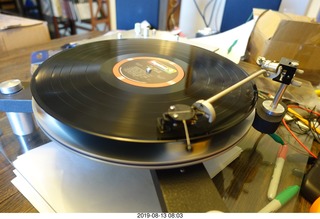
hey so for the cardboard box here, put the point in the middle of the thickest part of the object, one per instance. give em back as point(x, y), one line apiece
point(278, 35)
point(18, 32)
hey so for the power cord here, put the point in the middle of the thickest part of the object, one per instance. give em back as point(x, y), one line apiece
point(203, 14)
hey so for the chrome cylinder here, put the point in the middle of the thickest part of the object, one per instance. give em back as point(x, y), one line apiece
point(21, 123)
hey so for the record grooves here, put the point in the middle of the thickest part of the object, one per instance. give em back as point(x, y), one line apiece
point(83, 89)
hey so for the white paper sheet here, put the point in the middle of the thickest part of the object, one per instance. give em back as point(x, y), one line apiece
point(231, 44)
point(69, 182)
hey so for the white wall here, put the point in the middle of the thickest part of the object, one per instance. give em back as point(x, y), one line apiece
point(308, 8)
point(190, 20)
point(294, 6)
point(314, 8)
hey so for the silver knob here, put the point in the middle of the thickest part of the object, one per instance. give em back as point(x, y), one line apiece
point(11, 86)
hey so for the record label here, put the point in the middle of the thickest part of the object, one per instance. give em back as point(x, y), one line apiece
point(148, 72)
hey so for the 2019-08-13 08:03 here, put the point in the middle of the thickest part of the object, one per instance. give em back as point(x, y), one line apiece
point(159, 215)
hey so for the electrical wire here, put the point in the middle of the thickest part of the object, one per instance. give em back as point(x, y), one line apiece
point(305, 121)
point(203, 14)
point(304, 108)
point(297, 139)
point(298, 148)
point(316, 125)
point(212, 11)
point(216, 17)
point(309, 122)
point(312, 122)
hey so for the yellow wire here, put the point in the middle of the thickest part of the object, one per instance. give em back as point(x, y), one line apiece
point(305, 121)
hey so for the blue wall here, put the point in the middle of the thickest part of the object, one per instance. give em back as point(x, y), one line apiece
point(237, 12)
point(130, 12)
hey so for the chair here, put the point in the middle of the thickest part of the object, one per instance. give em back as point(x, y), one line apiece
point(100, 15)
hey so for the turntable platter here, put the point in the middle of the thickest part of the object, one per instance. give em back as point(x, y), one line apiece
point(115, 90)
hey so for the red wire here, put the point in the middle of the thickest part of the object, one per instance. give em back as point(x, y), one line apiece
point(297, 139)
point(306, 109)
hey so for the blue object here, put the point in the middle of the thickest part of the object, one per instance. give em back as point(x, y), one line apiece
point(237, 12)
point(19, 102)
point(39, 56)
point(131, 12)
point(29, 4)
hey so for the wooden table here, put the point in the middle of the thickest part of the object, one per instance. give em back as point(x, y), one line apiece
point(16, 64)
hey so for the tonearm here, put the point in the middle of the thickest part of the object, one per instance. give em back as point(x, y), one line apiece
point(269, 113)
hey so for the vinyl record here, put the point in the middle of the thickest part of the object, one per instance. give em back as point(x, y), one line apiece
point(105, 100)
point(105, 89)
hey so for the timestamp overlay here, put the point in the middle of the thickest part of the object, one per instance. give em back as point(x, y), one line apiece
point(204, 215)
point(160, 215)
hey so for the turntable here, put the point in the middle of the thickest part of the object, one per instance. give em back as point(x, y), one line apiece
point(144, 105)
